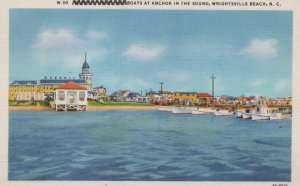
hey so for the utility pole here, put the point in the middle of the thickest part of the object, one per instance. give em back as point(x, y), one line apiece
point(161, 89)
point(213, 86)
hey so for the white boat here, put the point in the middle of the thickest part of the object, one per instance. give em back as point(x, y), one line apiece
point(260, 117)
point(279, 116)
point(263, 113)
point(180, 110)
point(247, 116)
point(239, 114)
point(208, 110)
point(165, 109)
point(223, 113)
point(198, 112)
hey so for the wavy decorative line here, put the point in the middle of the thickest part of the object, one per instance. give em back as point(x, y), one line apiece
point(99, 2)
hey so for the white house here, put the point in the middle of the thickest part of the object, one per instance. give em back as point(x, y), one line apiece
point(71, 96)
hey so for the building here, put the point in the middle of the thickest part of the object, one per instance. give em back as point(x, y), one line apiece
point(98, 93)
point(143, 99)
point(166, 93)
point(204, 99)
point(30, 90)
point(153, 96)
point(115, 96)
point(133, 96)
point(24, 91)
point(166, 97)
point(70, 96)
point(86, 75)
point(121, 95)
point(47, 85)
point(185, 98)
point(124, 95)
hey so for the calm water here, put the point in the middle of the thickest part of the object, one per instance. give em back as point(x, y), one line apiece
point(146, 145)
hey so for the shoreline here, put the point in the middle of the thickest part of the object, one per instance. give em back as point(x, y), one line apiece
point(89, 108)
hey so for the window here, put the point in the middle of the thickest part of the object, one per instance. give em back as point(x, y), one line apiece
point(81, 96)
point(61, 95)
point(71, 96)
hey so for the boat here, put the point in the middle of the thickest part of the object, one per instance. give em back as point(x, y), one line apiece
point(260, 117)
point(208, 110)
point(181, 110)
point(247, 116)
point(165, 109)
point(263, 113)
point(239, 114)
point(280, 116)
point(198, 112)
point(223, 113)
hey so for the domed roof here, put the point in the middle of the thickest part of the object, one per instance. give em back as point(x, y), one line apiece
point(85, 65)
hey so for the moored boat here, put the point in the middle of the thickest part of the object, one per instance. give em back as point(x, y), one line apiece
point(208, 110)
point(181, 110)
point(260, 117)
point(223, 113)
point(280, 116)
point(198, 112)
point(247, 116)
point(239, 114)
point(263, 112)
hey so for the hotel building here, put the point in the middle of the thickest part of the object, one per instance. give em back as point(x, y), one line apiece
point(30, 90)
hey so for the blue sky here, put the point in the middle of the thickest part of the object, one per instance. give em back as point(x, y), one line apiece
point(250, 52)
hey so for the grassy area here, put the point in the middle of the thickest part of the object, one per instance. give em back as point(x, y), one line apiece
point(111, 103)
point(27, 103)
point(23, 103)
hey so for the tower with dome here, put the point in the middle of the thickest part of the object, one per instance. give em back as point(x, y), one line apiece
point(86, 74)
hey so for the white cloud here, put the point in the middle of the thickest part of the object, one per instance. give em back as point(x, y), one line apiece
point(261, 48)
point(179, 76)
point(48, 39)
point(142, 52)
point(64, 47)
point(257, 82)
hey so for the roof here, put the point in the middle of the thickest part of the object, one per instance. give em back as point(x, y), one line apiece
point(122, 92)
point(99, 87)
point(133, 94)
point(151, 92)
point(231, 98)
point(71, 85)
point(115, 94)
point(186, 92)
point(24, 83)
point(165, 92)
point(204, 95)
point(85, 65)
point(62, 81)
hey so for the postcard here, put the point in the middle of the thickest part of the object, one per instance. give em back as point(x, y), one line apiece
point(152, 92)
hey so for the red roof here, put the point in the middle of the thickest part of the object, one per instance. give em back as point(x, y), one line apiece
point(124, 92)
point(71, 85)
point(203, 95)
point(165, 92)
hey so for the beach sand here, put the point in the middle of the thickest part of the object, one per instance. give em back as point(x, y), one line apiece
point(90, 108)
point(28, 108)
